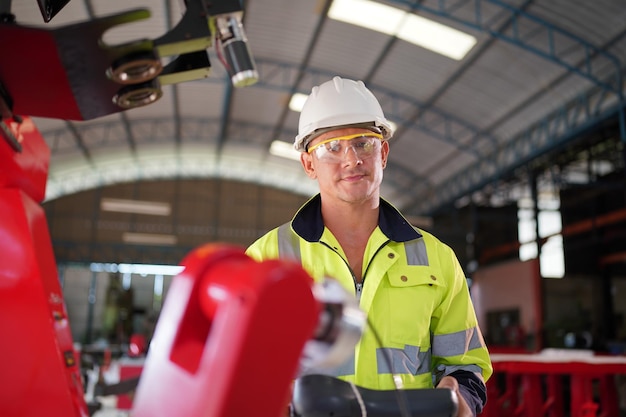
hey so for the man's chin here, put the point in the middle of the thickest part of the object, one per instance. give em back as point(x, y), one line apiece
point(357, 197)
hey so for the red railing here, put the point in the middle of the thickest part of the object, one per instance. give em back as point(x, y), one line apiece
point(554, 384)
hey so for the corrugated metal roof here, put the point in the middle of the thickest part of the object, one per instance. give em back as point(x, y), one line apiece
point(532, 58)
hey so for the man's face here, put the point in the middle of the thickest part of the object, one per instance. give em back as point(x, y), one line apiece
point(349, 169)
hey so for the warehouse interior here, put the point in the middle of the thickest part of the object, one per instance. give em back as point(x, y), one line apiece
point(511, 151)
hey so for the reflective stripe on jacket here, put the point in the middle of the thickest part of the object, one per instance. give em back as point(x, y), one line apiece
point(422, 323)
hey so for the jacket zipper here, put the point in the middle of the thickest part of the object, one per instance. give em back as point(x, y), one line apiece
point(358, 286)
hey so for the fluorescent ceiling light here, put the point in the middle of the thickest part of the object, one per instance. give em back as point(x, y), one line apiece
point(297, 101)
point(406, 26)
point(147, 269)
point(436, 37)
point(149, 238)
point(367, 14)
point(135, 206)
point(284, 150)
point(140, 269)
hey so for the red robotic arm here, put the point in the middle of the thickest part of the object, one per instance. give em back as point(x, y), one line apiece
point(40, 374)
point(229, 338)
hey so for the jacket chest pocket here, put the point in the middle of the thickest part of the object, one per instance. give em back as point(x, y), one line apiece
point(414, 292)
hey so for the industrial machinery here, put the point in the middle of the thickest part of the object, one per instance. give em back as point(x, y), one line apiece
point(86, 78)
point(40, 374)
point(234, 333)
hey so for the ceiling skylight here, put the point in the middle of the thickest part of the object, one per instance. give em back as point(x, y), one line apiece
point(149, 238)
point(297, 101)
point(154, 208)
point(284, 150)
point(406, 26)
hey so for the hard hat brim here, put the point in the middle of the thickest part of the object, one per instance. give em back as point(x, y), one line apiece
point(301, 143)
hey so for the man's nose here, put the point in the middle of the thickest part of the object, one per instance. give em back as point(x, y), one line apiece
point(351, 156)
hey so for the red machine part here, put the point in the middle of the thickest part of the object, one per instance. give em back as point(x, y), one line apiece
point(533, 386)
point(40, 374)
point(25, 169)
point(229, 337)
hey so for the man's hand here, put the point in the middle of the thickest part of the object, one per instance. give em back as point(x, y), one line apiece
point(451, 383)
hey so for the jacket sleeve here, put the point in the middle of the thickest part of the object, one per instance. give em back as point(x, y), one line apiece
point(265, 247)
point(457, 344)
point(472, 389)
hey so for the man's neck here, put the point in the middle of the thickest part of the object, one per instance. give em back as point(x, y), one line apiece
point(351, 220)
point(352, 225)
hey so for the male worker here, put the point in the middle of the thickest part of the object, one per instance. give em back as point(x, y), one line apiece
point(409, 283)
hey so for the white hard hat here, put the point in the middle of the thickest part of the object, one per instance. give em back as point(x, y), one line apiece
point(339, 103)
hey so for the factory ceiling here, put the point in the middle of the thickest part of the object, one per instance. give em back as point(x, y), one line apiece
point(538, 76)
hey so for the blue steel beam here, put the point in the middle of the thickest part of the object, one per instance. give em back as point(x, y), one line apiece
point(280, 75)
point(226, 114)
point(539, 37)
point(169, 22)
point(554, 130)
point(550, 37)
point(300, 73)
point(197, 129)
point(156, 130)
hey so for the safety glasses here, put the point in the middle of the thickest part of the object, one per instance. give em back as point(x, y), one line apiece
point(335, 149)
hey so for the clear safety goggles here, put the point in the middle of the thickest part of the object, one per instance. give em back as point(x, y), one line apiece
point(335, 149)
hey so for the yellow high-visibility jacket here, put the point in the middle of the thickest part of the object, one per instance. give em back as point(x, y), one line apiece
point(414, 292)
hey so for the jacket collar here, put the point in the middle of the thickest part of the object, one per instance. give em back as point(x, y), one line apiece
point(308, 223)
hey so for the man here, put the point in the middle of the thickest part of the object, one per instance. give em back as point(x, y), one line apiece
point(409, 283)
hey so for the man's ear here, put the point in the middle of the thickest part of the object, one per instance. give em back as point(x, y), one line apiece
point(307, 163)
point(384, 152)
